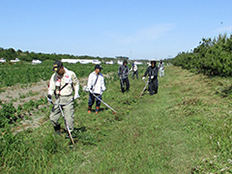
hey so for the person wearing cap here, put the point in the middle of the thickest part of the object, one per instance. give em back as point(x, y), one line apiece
point(134, 68)
point(96, 86)
point(123, 73)
point(62, 83)
point(152, 72)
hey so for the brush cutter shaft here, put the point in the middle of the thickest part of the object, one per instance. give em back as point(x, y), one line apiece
point(102, 101)
point(144, 87)
point(66, 125)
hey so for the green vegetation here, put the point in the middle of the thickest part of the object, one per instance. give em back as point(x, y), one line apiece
point(10, 115)
point(11, 54)
point(183, 129)
point(25, 73)
point(212, 57)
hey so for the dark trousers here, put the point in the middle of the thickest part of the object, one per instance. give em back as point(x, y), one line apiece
point(92, 100)
point(122, 82)
point(153, 86)
point(135, 73)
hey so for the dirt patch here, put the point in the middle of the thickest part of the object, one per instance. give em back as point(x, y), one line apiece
point(33, 123)
point(19, 95)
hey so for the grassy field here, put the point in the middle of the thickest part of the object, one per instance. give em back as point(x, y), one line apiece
point(185, 128)
point(25, 73)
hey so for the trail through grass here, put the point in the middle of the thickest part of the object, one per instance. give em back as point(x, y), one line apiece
point(172, 132)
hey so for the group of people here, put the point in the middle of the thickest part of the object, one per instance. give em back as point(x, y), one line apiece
point(152, 72)
point(64, 82)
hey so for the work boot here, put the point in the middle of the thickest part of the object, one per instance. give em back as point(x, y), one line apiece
point(89, 109)
point(97, 109)
point(57, 130)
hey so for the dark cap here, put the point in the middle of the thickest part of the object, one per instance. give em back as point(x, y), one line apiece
point(98, 67)
point(153, 62)
point(125, 61)
point(57, 65)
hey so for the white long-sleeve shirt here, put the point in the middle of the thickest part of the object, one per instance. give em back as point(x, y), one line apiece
point(134, 68)
point(99, 86)
point(161, 66)
point(57, 80)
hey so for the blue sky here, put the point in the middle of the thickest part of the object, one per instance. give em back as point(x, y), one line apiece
point(139, 29)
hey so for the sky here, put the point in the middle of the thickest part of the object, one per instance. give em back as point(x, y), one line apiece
point(138, 29)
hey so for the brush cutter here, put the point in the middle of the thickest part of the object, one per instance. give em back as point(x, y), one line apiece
point(146, 83)
point(85, 89)
point(102, 101)
point(65, 122)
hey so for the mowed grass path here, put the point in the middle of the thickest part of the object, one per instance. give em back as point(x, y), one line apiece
point(171, 132)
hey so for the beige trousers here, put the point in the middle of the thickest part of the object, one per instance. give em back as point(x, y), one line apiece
point(68, 111)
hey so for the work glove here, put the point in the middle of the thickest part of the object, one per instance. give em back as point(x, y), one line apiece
point(85, 89)
point(152, 77)
point(103, 89)
point(76, 96)
point(143, 78)
point(91, 91)
point(49, 97)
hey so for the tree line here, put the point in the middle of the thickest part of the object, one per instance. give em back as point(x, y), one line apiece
point(212, 57)
point(11, 54)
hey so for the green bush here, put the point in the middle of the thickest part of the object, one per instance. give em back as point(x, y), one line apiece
point(7, 114)
point(211, 57)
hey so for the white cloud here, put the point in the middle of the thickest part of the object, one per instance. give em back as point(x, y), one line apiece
point(144, 34)
point(224, 29)
point(154, 32)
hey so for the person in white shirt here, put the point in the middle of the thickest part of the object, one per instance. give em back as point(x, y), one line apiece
point(161, 68)
point(62, 84)
point(134, 68)
point(95, 85)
